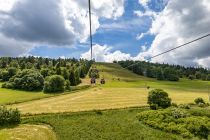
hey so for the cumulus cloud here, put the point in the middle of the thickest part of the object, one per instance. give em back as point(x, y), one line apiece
point(180, 22)
point(53, 22)
point(104, 54)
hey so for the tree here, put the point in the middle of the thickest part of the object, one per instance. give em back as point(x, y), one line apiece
point(158, 98)
point(67, 85)
point(44, 72)
point(65, 73)
point(54, 84)
point(72, 78)
point(12, 71)
point(160, 75)
point(170, 74)
point(29, 80)
point(208, 77)
point(77, 77)
point(199, 100)
point(198, 75)
point(191, 77)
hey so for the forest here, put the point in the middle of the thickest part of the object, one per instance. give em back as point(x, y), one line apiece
point(37, 73)
point(166, 71)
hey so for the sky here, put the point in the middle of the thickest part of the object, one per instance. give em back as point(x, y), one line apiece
point(122, 29)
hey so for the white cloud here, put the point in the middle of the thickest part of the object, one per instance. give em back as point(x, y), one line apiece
point(180, 22)
point(53, 22)
point(104, 54)
point(144, 2)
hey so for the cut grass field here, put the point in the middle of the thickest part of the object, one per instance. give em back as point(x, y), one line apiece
point(122, 89)
point(28, 132)
point(8, 96)
point(95, 125)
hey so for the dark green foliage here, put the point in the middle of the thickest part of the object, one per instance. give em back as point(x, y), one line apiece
point(12, 71)
point(191, 77)
point(177, 121)
point(54, 84)
point(77, 77)
point(158, 99)
point(72, 78)
point(5, 75)
point(67, 85)
point(65, 73)
point(208, 77)
point(46, 66)
point(165, 71)
point(45, 72)
point(9, 116)
point(198, 75)
point(184, 106)
point(94, 73)
point(29, 80)
point(170, 74)
point(199, 100)
point(160, 75)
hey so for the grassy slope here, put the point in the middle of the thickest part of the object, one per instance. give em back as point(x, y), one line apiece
point(8, 96)
point(111, 125)
point(11, 96)
point(27, 132)
point(129, 91)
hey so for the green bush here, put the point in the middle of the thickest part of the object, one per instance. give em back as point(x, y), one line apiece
point(199, 100)
point(184, 106)
point(9, 116)
point(158, 98)
point(54, 84)
point(178, 121)
point(67, 85)
point(29, 80)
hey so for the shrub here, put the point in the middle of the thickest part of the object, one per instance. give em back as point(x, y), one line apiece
point(191, 77)
point(29, 80)
point(202, 105)
point(177, 121)
point(184, 106)
point(9, 116)
point(53, 84)
point(158, 98)
point(67, 85)
point(174, 105)
point(199, 100)
point(5, 75)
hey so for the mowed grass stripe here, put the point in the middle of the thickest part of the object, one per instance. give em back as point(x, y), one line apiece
point(100, 98)
point(28, 132)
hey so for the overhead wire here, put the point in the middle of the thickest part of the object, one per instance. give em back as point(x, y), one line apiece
point(175, 48)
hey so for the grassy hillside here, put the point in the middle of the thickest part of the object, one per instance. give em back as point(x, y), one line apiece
point(122, 89)
point(28, 132)
point(111, 125)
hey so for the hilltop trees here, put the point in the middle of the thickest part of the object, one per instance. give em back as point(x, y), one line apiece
point(165, 71)
point(28, 73)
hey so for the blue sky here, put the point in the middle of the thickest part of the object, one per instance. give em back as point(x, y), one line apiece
point(123, 39)
point(123, 29)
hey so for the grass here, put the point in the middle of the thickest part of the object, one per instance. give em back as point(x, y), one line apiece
point(129, 91)
point(100, 98)
point(9, 96)
point(28, 132)
point(112, 125)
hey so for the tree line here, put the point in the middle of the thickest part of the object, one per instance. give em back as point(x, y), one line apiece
point(165, 71)
point(37, 73)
